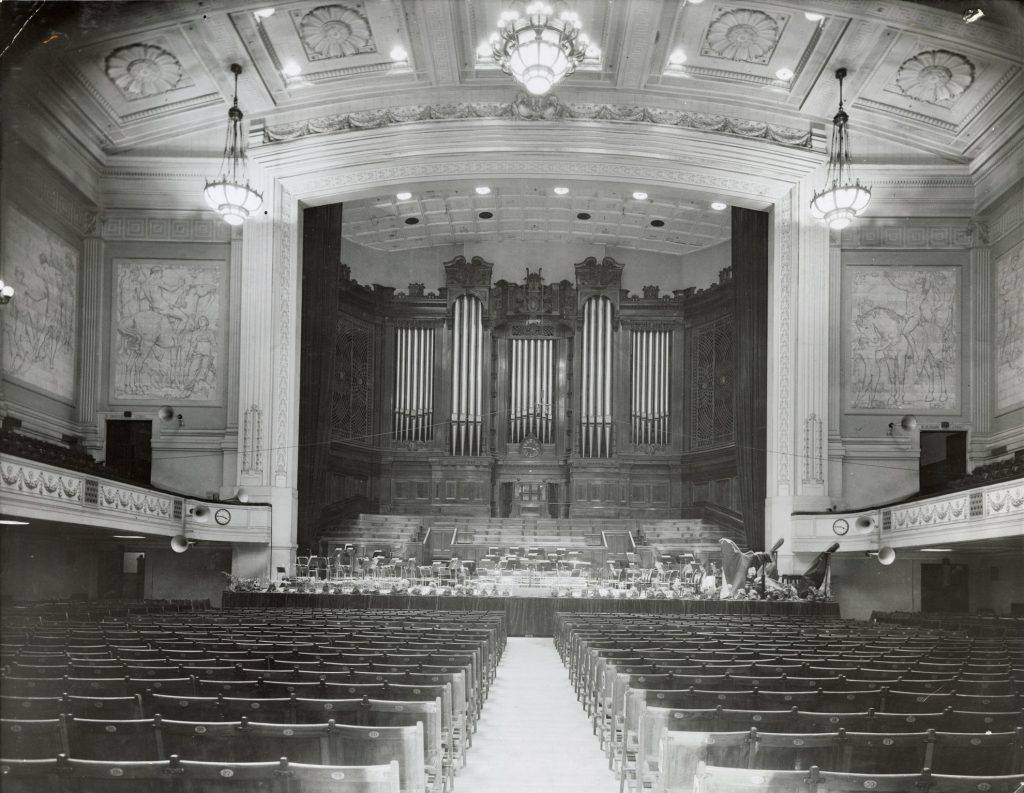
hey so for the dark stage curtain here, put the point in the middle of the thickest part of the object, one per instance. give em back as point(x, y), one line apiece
point(750, 276)
point(321, 262)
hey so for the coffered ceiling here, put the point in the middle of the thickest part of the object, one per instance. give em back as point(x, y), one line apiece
point(152, 78)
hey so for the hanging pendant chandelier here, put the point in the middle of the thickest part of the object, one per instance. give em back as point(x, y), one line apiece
point(844, 197)
point(537, 48)
point(230, 193)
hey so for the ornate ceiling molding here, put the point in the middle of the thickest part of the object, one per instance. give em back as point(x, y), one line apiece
point(544, 108)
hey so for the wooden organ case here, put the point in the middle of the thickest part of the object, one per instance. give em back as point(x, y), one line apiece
point(553, 400)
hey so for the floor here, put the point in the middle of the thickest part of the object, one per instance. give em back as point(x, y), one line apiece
point(533, 735)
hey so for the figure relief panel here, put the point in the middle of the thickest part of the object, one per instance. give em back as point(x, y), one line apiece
point(903, 338)
point(40, 324)
point(168, 343)
point(1009, 329)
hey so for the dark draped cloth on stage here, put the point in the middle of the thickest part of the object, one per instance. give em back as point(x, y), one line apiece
point(750, 276)
point(814, 576)
point(530, 616)
point(735, 563)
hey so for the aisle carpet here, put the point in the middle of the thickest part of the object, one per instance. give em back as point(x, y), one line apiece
point(533, 734)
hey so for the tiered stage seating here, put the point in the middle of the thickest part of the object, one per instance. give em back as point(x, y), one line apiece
point(368, 533)
point(539, 532)
point(273, 700)
point(693, 704)
point(693, 535)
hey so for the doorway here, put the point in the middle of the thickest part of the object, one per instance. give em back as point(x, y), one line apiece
point(130, 448)
point(944, 588)
point(943, 458)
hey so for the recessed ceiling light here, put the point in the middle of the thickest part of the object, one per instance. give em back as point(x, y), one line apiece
point(399, 54)
point(263, 13)
point(484, 50)
point(718, 206)
point(973, 15)
point(936, 550)
point(696, 2)
point(657, 223)
point(561, 190)
point(784, 74)
point(483, 190)
point(811, 16)
point(403, 196)
point(640, 195)
point(411, 221)
point(13, 522)
point(129, 537)
point(485, 215)
point(677, 58)
point(583, 216)
point(291, 69)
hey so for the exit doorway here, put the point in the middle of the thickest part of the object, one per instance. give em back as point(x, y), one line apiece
point(130, 448)
point(944, 588)
point(943, 458)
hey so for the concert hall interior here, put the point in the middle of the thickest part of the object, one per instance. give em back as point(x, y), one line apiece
point(324, 305)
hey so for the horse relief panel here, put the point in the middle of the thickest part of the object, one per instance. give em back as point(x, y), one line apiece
point(902, 338)
point(39, 324)
point(168, 337)
point(1009, 329)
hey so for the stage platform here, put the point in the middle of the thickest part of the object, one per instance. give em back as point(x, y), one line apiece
point(530, 616)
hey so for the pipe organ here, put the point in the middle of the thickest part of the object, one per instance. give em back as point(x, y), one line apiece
point(467, 363)
point(649, 414)
point(596, 413)
point(566, 399)
point(414, 386)
point(530, 410)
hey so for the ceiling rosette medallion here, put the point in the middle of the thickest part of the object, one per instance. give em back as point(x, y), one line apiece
point(141, 70)
point(334, 31)
point(743, 34)
point(938, 77)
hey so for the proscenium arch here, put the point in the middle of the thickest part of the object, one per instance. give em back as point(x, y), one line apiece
point(339, 167)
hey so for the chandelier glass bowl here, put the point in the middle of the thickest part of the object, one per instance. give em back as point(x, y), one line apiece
point(230, 193)
point(538, 49)
point(843, 197)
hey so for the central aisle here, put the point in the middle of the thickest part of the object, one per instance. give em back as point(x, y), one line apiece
point(533, 734)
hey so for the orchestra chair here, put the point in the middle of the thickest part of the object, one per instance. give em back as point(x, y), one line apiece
point(103, 707)
point(182, 708)
point(896, 752)
point(103, 739)
point(717, 779)
point(356, 745)
point(978, 753)
point(65, 775)
point(304, 778)
point(781, 751)
point(944, 783)
point(681, 753)
point(32, 740)
point(223, 741)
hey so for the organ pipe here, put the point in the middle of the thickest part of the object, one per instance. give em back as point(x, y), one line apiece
point(596, 410)
point(532, 362)
point(649, 419)
point(414, 364)
point(467, 377)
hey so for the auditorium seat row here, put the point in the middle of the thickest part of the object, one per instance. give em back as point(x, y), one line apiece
point(712, 779)
point(667, 692)
point(328, 687)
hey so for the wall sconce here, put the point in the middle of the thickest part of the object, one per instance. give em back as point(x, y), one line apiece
point(6, 293)
point(908, 424)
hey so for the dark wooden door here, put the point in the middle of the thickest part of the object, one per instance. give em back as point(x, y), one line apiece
point(130, 448)
point(943, 458)
point(944, 588)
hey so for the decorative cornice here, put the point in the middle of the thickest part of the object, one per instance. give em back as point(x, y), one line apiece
point(173, 107)
point(902, 112)
point(164, 229)
point(546, 108)
point(910, 237)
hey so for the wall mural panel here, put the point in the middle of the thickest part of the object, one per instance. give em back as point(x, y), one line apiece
point(40, 324)
point(168, 336)
point(903, 338)
point(1009, 330)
